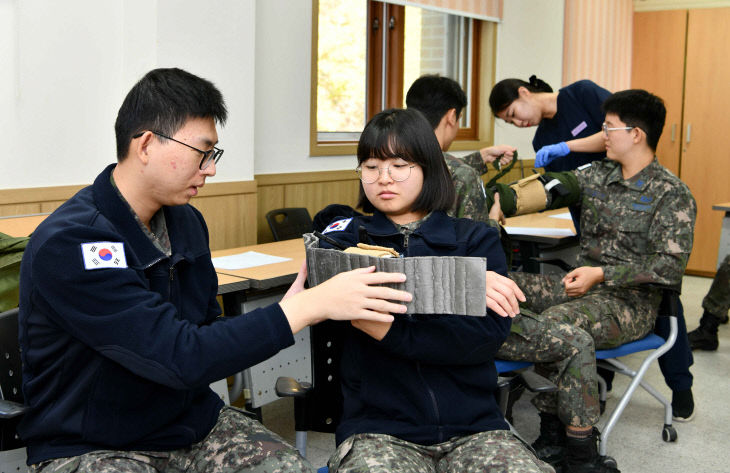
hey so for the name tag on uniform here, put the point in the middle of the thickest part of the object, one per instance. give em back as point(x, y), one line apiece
point(103, 254)
point(582, 126)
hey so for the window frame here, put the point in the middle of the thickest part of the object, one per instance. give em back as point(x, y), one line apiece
point(478, 135)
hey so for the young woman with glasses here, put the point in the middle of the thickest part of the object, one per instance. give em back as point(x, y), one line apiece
point(419, 391)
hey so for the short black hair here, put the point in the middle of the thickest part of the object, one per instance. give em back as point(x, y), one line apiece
point(406, 134)
point(162, 101)
point(641, 109)
point(434, 95)
point(505, 91)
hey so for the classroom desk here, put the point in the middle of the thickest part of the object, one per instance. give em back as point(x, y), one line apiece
point(21, 225)
point(724, 248)
point(538, 242)
point(244, 290)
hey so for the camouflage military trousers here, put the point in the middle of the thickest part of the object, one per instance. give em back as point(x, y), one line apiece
point(236, 444)
point(495, 451)
point(559, 334)
point(717, 300)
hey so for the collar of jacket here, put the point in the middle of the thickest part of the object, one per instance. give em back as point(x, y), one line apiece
point(637, 182)
point(437, 230)
point(117, 212)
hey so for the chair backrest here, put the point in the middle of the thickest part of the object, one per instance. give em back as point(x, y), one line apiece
point(289, 223)
point(10, 375)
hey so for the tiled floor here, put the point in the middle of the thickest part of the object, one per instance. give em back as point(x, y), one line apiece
point(636, 442)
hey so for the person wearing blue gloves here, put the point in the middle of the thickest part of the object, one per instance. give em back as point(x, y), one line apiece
point(570, 134)
point(568, 121)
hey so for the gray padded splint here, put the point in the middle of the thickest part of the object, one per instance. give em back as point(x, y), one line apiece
point(439, 284)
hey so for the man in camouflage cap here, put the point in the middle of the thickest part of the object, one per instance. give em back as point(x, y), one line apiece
point(637, 222)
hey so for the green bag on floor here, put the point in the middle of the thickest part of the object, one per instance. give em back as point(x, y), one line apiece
point(11, 252)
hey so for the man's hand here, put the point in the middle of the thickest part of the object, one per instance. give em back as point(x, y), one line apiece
point(377, 330)
point(504, 153)
point(503, 295)
point(495, 211)
point(347, 296)
point(580, 280)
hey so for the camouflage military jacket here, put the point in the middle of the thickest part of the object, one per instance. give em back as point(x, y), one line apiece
point(471, 198)
point(639, 230)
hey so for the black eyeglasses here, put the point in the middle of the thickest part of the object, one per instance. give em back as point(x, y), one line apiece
point(210, 156)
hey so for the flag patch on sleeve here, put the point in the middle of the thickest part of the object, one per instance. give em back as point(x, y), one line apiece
point(338, 226)
point(103, 254)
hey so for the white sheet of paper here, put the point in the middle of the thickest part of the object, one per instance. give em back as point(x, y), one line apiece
point(565, 216)
point(539, 231)
point(248, 259)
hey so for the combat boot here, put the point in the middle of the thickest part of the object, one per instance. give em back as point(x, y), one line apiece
point(581, 456)
point(550, 445)
point(704, 337)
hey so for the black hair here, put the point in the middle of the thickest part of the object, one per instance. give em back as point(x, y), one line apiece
point(406, 134)
point(433, 96)
point(505, 91)
point(162, 101)
point(641, 109)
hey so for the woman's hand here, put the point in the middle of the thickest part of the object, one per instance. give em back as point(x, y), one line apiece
point(503, 295)
point(377, 330)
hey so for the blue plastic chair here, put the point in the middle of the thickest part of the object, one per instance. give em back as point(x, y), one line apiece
point(656, 346)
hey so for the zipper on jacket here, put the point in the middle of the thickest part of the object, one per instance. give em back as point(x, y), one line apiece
point(434, 404)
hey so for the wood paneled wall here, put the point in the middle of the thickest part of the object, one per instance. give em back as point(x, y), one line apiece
point(229, 208)
point(313, 190)
point(236, 211)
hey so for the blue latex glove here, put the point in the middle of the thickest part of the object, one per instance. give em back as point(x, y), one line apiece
point(547, 154)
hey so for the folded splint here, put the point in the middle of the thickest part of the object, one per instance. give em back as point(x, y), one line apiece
point(439, 284)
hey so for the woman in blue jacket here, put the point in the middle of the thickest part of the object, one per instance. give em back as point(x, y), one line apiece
point(568, 121)
point(419, 391)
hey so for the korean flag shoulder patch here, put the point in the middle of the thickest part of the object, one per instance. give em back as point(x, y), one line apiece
point(338, 226)
point(103, 254)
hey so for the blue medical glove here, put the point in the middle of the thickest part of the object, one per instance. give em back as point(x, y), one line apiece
point(548, 153)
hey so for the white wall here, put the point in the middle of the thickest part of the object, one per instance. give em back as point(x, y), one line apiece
point(283, 74)
point(68, 65)
point(529, 41)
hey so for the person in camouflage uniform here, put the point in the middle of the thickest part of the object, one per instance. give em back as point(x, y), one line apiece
point(637, 223)
point(441, 101)
point(716, 304)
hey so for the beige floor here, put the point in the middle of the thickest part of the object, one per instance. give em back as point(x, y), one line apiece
point(636, 442)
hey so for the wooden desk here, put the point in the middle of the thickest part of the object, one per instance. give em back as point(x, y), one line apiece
point(724, 247)
point(244, 290)
point(542, 220)
point(21, 225)
point(534, 244)
point(270, 275)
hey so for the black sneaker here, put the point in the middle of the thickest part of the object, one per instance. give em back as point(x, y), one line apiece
point(703, 339)
point(683, 406)
point(550, 445)
point(581, 456)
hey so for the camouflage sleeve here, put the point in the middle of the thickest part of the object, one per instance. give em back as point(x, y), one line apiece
point(471, 197)
point(668, 245)
point(475, 161)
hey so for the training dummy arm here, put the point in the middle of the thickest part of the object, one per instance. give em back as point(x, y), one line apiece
point(538, 192)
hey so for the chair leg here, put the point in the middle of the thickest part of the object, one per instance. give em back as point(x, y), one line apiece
point(300, 441)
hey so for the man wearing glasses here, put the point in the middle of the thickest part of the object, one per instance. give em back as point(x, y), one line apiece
point(637, 223)
point(119, 325)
